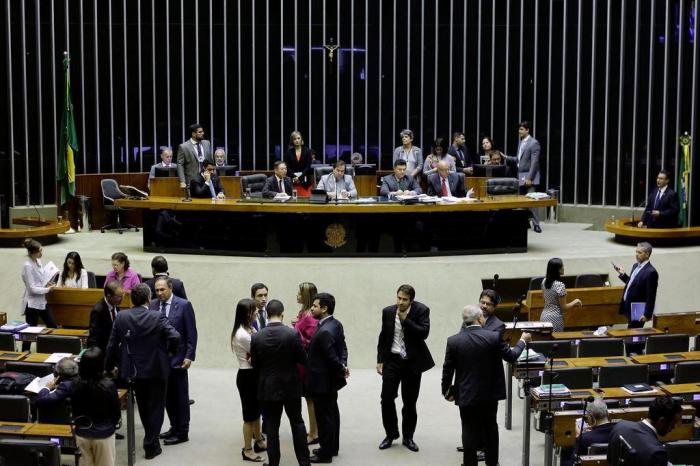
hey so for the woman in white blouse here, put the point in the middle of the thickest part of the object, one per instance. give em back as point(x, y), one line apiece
point(35, 288)
point(247, 380)
point(74, 274)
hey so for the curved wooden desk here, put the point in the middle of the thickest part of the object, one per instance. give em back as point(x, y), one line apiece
point(267, 228)
point(43, 230)
point(627, 232)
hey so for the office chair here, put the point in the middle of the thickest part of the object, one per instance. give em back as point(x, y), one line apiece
point(110, 193)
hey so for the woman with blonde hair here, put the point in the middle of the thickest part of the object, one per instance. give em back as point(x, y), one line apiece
point(306, 324)
point(298, 159)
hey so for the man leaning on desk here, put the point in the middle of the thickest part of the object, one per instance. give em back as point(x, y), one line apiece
point(338, 183)
point(206, 184)
point(399, 183)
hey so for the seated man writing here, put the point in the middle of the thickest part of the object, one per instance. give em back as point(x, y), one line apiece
point(338, 183)
point(399, 183)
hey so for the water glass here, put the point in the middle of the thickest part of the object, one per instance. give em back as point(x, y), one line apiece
point(247, 194)
point(294, 194)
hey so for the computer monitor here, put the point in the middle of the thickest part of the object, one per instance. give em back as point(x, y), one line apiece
point(365, 169)
point(164, 172)
point(18, 452)
point(491, 171)
point(227, 170)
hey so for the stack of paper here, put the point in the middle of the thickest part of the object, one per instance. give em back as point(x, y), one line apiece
point(14, 326)
point(558, 390)
point(39, 383)
point(33, 330)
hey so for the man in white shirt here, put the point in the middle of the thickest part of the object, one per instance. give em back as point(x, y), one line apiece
point(662, 205)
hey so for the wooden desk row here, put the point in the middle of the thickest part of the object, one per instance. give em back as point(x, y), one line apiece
point(71, 306)
point(63, 332)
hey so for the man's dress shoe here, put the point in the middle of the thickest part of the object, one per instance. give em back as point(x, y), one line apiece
point(410, 444)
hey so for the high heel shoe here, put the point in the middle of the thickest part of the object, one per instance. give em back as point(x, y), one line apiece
point(258, 448)
point(257, 459)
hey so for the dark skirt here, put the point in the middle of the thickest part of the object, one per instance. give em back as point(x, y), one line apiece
point(247, 383)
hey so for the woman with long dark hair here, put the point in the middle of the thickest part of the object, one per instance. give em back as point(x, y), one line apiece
point(247, 380)
point(306, 324)
point(96, 411)
point(35, 288)
point(554, 293)
point(495, 156)
point(74, 274)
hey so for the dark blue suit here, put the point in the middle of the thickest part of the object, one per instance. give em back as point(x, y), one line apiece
point(641, 290)
point(177, 399)
point(139, 345)
point(178, 286)
point(649, 451)
point(668, 206)
point(324, 376)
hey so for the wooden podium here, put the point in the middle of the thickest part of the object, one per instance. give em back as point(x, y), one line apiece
point(600, 306)
point(71, 306)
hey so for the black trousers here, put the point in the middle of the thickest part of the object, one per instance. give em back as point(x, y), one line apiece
point(479, 424)
point(32, 315)
point(397, 372)
point(177, 402)
point(274, 413)
point(328, 421)
point(150, 399)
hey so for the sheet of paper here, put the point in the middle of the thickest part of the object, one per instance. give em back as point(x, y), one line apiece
point(38, 383)
point(55, 357)
point(50, 273)
point(33, 330)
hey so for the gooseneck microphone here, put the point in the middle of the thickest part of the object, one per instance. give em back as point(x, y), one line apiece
point(495, 281)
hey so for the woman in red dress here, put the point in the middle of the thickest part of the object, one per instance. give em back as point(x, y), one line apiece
point(298, 159)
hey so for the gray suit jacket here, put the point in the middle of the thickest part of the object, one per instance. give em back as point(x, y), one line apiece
point(389, 185)
point(529, 163)
point(187, 161)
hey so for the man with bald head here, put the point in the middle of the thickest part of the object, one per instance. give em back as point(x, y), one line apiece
point(220, 157)
point(166, 161)
point(445, 183)
point(474, 360)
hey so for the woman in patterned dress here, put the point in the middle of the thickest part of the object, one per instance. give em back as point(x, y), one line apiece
point(554, 294)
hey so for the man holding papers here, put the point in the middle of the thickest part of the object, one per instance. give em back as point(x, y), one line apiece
point(639, 296)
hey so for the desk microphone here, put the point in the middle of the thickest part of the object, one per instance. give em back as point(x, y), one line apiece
point(586, 400)
point(37, 212)
point(188, 197)
point(643, 204)
point(495, 281)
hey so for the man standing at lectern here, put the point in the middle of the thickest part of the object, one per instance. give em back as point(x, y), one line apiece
point(662, 205)
point(191, 154)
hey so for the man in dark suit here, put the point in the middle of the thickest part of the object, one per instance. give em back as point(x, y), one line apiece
point(488, 300)
point(279, 182)
point(275, 352)
point(475, 355)
point(445, 183)
point(103, 314)
point(399, 183)
point(206, 185)
point(326, 371)
point(258, 292)
point(180, 315)
point(662, 205)
point(640, 286)
point(462, 156)
point(596, 417)
point(402, 357)
point(643, 436)
point(138, 351)
point(528, 160)
point(191, 154)
point(159, 268)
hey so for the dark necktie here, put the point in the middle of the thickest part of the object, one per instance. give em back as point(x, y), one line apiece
point(656, 201)
point(199, 151)
point(261, 315)
point(461, 155)
point(402, 183)
point(162, 308)
point(281, 186)
point(113, 311)
point(444, 187)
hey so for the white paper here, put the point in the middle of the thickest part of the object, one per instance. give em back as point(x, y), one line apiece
point(637, 310)
point(50, 273)
point(39, 383)
point(33, 330)
point(55, 357)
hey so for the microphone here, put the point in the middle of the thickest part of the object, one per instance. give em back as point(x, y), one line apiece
point(578, 438)
point(37, 212)
point(188, 197)
point(495, 280)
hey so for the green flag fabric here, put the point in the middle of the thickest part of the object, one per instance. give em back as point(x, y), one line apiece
point(68, 143)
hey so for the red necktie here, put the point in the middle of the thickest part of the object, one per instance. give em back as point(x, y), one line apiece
point(444, 187)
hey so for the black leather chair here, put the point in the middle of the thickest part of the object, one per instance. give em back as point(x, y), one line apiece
point(110, 193)
point(617, 376)
point(321, 170)
point(577, 377)
point(92, 280)
point(497, 186)
point(37, 369)
point(683, 452)
point(14, 408)
point(594, 347)
point(58, 344)
point(254, 182)
point(564, 349)
point(7, 341)
point(668, 343)
point(598, 449)
point(535, 283)
point(22, 452)
point(588, 280)
point(687, 372)
point(58, 412)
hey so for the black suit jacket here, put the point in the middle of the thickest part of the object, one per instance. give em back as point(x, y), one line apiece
point(327, 358)
point(199, 189)
point(275, 351)
point(140, 344)
point(178, 286)
point(668, 207)
point(462, 162)
point(302, 165)
point(641, 290)
point(181, 317)
point(649, 451)
point(416, 328)
point(455, 183)
point(272, 187)
point(474, 355)
point(100, 325)
point(494, 324)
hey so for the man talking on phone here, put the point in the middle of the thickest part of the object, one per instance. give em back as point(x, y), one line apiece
point(640, 287)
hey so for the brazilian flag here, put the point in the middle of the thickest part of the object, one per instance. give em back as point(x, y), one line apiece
point(684, 179)
point(68, 145)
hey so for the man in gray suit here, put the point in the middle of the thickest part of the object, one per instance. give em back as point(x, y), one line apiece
point(528, 160)
point(399, 183)
point(191, 154)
